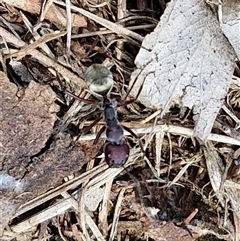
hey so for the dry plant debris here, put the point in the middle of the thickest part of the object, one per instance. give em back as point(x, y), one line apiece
point(55, 185)
point(49, 11)
point(191, 66)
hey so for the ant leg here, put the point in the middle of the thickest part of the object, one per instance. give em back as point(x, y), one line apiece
point(99, 134)
point(88, 128)
point(80, 99)
point(127, 102)
point(133, 134)
point(140, 89)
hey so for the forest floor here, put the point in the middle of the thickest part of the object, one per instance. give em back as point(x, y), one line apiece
point(55, 183)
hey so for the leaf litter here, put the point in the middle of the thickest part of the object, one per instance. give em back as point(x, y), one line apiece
point(188, 61)
point(183, 184)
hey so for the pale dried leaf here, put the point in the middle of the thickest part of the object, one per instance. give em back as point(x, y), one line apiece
point(233, 193)
point(94, 198)
point(188, 61)
point(216, 172)
point(231, 24)
point(214, 165)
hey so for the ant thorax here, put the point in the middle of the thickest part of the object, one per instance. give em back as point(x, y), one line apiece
point(106, 102)
point(109, 110)
point(114, 131)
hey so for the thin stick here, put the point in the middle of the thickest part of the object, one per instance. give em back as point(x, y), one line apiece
point(158, 147)
point(29, 47)
point(121, 13)
point(64, 187)
point(89, 220)
point(232, 115)
point(33, 30)
point(190, 217)
point(69, 24)
point(177, 130)
point(53, 211)
point(102, 32)
point(116, 214)
point(112, 26)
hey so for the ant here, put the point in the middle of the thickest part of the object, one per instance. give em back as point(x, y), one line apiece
point(99, 80)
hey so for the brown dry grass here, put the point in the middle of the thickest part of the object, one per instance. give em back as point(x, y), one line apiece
point(169, 184)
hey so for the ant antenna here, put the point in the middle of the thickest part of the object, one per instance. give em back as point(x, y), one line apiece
point(140, 89)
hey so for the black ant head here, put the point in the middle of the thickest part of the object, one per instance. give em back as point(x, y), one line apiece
point(99, 80)
point(116, 155)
